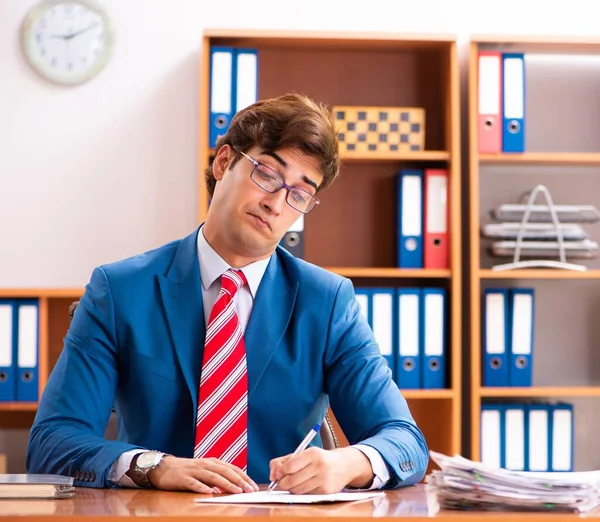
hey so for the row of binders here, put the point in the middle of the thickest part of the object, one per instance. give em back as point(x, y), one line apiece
point(409, 325)
point(501, 112)
point(508, 336)
point(527, 436)
point(423, 238)
point(233, 86)
point(422, 213)
point(19, 344)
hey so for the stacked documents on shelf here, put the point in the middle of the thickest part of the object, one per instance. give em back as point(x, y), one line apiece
point(35, 486)
point(467, 485)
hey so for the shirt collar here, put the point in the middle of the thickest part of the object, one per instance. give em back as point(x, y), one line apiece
point(213, 266)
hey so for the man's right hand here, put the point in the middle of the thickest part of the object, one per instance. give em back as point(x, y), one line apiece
point(200, 475)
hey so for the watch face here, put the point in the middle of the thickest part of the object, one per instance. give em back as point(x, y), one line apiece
point(148, 459)
point(67, 41)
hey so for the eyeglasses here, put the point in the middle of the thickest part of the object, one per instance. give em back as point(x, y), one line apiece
point(271, 181)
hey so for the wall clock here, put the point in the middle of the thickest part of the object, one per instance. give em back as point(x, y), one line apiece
point(67, 41)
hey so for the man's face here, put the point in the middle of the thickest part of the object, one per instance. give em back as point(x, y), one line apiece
point(252, 220)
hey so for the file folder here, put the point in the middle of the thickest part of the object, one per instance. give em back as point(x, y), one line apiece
point(562, 437)
point(293, 239)
point(222, 95)
point(515, 447)
point(436, 219)
point(433, 336)
point(27, 351)
point(363, 297)
point(522, 328)
point(492, 435)
point(490, 101)
point(382, 310)
point(8, 345)
point(246, 78)
point(538, 437)
point(513, 103)
point(410, 219)
point(409, 338)
point(495, 337)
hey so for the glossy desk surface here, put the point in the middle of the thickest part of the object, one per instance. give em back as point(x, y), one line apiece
point(104, 504)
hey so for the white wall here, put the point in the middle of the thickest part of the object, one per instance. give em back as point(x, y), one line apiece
point(98, 172)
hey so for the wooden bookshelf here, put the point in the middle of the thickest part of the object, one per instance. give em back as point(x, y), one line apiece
point(353, 231)
point(485, 169)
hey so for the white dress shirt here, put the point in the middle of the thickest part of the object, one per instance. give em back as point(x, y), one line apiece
point(212, 266)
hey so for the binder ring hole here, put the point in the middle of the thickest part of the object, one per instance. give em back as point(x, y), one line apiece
point(437, 241)
point(27, 377)
point(434, 365)
point(408, 365)
point(495, 363)
point(3, 376)
point(514, 127)
point(292, 239)
point(221, 122)
point(411, 245)
point(521, 362)
point(488, 123)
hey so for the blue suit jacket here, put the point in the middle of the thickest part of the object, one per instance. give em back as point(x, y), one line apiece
point(136, 343)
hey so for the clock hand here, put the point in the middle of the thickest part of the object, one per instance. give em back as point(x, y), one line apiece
point(81, 31)
point(61, 36)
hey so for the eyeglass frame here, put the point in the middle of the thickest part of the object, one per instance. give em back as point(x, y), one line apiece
point(284, 185)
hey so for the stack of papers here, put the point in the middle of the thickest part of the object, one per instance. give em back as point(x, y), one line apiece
point(35, 486)
point(467, 485)
point(283, 497)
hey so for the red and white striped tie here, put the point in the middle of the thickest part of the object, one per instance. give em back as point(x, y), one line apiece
point(221, 420)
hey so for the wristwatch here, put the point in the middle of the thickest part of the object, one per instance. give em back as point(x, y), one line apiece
point(142, 464)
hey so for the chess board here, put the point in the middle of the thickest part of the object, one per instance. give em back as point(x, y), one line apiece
point(374, 130)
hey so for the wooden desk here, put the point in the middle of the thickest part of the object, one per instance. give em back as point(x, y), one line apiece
point(103, 505)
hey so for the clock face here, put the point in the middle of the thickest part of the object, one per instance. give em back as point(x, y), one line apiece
point(67, 42)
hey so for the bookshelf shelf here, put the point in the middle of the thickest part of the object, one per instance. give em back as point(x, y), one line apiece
point(50, 293)
point(18, 406)
point(538, 274)
point(353, 232)
point(390, 272)
point(543, 158)
point(541, 391)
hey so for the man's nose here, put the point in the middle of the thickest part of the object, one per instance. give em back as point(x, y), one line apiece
point(275, 201)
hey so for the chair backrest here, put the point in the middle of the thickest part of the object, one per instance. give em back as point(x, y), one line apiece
point(327, 432)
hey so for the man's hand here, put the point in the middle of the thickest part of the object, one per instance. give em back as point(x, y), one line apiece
point(201, 476)
point(316, 470)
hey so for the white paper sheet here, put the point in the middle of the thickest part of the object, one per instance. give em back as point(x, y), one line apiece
point(284, 497)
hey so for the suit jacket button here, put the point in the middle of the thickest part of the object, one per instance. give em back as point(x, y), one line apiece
point(92, 476)
point(76, 475)
point(86, 476)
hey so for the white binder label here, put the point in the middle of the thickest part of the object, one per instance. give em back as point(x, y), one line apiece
point(494, 324)
point(538, 440)
point(246, 92)
point(28, 335)
point(515, 439)
point(490, 438)
point(562, 440)
point(298, 225)
point(513, 88)
point(434, 324)
point(409, 325)
point(382, 322)
point(411, 206)
point(220, 82)
point(489, 85)
point(522, 324)
point(6, 335)
point(436, 204)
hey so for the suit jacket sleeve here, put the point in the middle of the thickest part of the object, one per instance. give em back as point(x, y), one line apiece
point(67, 436)
point(364, 398)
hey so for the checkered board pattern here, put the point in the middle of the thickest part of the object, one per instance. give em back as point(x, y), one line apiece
point(372, 130)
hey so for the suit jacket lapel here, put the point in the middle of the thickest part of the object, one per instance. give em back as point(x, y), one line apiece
point(182, 298)
point(268, 321)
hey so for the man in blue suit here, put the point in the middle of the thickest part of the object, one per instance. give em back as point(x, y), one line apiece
point(140, 337)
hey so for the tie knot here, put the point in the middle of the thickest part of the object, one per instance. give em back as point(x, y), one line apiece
point(232, 281)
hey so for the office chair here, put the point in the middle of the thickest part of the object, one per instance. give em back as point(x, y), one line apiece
point(327, 432)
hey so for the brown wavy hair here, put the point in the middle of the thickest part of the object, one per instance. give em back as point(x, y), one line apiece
point(291, 121)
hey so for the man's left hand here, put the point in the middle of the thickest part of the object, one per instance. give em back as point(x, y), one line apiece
point(316, 470)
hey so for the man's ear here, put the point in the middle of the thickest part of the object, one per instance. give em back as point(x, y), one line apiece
point(221, 162)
